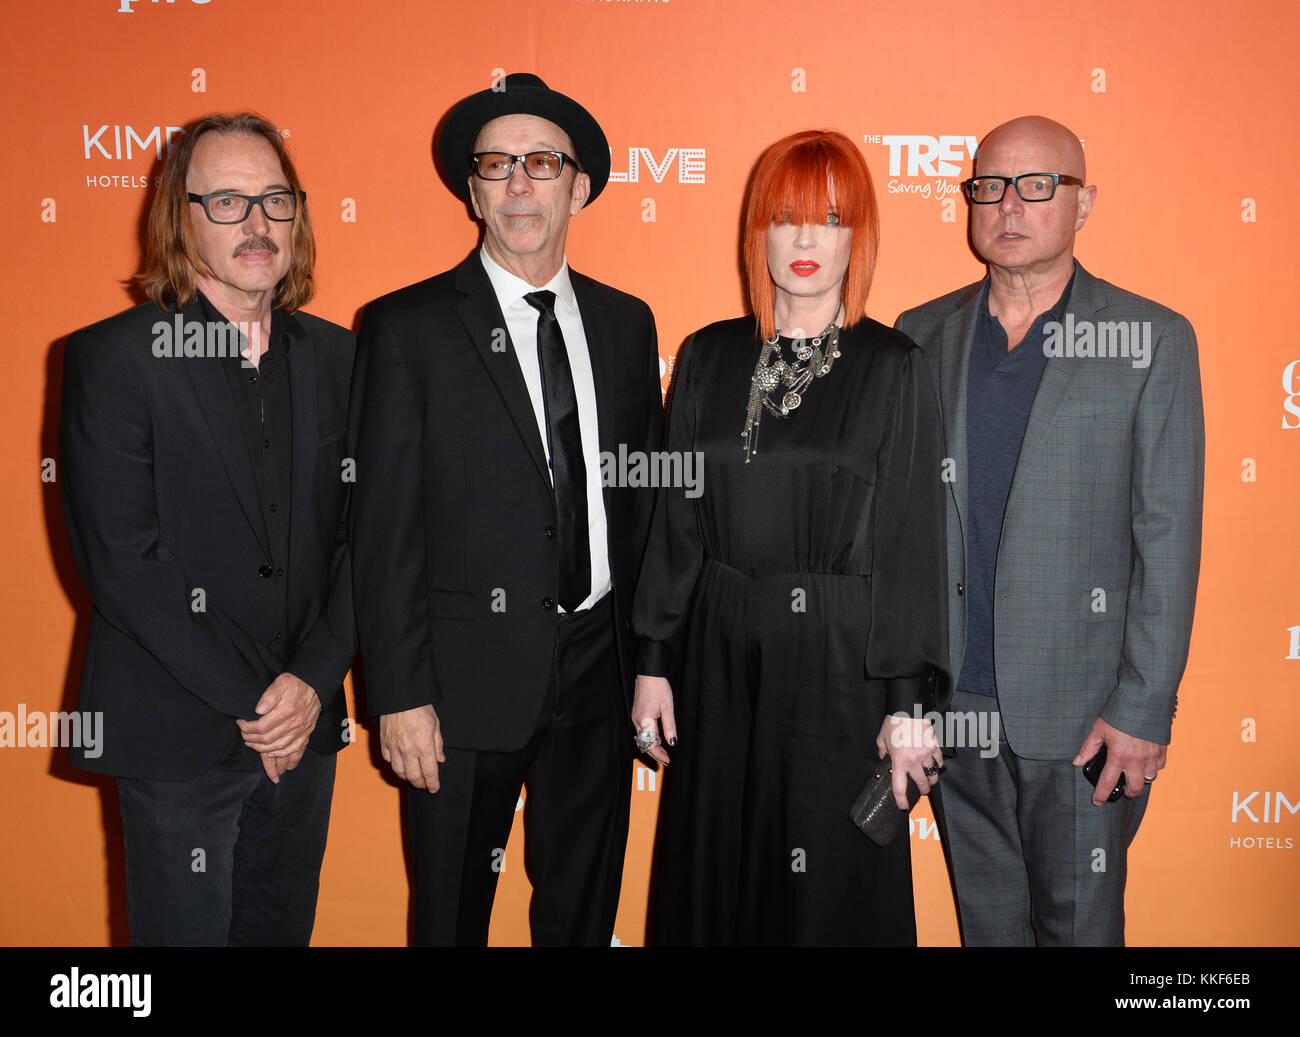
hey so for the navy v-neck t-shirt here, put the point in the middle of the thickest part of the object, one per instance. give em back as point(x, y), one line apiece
point(1000, 388)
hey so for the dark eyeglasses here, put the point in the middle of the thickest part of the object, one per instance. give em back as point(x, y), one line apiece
point(539, 165)
point(224, 207)
point(1032, 187)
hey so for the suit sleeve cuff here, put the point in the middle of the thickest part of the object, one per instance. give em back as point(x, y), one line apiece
point(1149, 729)
point(319, 669)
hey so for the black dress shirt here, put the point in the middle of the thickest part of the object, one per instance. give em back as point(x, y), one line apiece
point(265, 408)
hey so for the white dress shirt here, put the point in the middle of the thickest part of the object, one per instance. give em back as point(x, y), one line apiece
point(521, 323)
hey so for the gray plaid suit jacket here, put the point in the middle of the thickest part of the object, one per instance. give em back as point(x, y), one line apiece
point(1100, 550)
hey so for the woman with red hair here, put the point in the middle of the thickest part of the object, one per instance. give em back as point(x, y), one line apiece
point(791, 606)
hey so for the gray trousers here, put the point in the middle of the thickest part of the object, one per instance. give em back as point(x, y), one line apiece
point(1032, 860)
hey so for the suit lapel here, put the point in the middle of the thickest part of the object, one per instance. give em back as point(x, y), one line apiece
point(597, 328)
point(957, 336)
point(481, 315)
point(1085, 299)
point(208, 378)
point(306, 427)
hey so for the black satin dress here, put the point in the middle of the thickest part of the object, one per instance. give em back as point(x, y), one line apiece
point(793, 604)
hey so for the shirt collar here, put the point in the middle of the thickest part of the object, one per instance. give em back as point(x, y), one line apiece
point(510, 290)
point(286, 328)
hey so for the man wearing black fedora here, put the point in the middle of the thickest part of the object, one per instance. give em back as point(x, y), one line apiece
point(494, 573)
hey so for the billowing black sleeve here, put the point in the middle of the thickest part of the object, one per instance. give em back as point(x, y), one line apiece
point(907, 647)
point(674, 554)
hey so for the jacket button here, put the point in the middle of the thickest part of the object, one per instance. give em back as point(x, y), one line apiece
point(548, 603)
point(265, 572)
point(960, 590)
point(550, 532)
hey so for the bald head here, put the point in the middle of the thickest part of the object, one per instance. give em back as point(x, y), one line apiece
point(1037, 134)
point(1031, 240)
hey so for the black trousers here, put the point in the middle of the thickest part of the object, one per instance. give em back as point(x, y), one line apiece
point(577, 768)
point(228, 858)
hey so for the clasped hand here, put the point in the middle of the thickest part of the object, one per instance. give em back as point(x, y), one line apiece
point(287, 713)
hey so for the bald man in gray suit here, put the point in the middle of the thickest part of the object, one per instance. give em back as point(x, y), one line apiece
point(1075, 439)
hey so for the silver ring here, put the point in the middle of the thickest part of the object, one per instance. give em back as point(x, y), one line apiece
point(1149, 778)
point(645, 738)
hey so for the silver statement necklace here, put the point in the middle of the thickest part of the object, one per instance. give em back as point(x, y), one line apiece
point(812, 359)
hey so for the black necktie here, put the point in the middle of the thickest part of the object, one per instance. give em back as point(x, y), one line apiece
point(568, 472)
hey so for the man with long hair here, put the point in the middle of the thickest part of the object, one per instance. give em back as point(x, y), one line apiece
point(205, 486)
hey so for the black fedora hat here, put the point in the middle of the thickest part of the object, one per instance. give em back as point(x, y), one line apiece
point(521, 93)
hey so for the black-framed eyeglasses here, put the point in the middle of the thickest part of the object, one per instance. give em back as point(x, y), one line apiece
point(539, 165)
point(1032, 187)
point(224, 207)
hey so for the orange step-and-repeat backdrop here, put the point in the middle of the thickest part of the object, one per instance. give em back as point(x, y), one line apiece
point(1187, 114)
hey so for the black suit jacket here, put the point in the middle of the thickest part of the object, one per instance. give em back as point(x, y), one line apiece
point(455, 574)
point(161, 503)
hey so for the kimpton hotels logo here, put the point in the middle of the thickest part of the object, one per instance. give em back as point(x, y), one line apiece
point(123, 142)
point(117, 142)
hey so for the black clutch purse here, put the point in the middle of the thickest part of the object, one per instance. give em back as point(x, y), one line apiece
point(875, 812)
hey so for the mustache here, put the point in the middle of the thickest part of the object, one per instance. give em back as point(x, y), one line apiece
point(257, 243)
